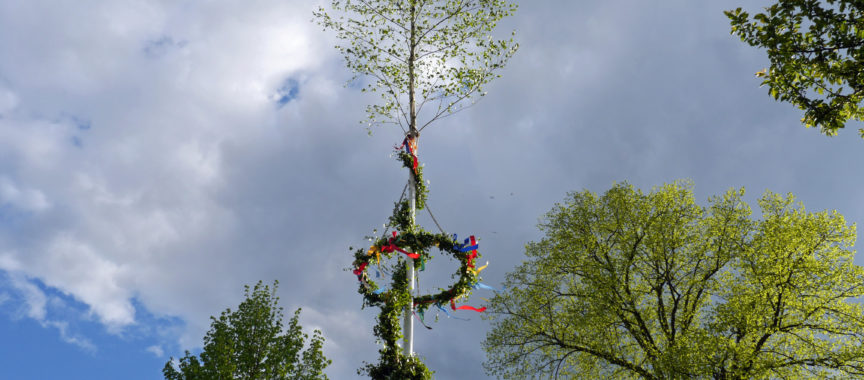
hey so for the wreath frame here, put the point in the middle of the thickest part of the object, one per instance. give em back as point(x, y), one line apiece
point(419, 242)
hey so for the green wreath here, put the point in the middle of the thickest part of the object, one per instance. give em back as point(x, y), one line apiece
point(416, 246)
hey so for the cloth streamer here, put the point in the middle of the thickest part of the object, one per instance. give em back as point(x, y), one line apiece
point(391, 246)
point(465, 247)
point(448, 313)
point(359, 270)
point(481, 285)
point(373, 250)
point(410, 146)
point(420, 318)
point(466, 307)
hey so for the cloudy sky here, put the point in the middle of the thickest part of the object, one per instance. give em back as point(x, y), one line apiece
point(155, 156)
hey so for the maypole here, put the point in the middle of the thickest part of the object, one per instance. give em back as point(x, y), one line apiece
point(412, 140)
point(408, 321)
point(428, 58)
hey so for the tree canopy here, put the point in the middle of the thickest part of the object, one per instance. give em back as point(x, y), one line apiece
point(428, 58)
point(816, 49)
point(635, 285)
point(250, 343)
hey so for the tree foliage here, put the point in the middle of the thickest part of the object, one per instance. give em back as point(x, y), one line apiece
point(634, 285)
point(428, 58)
point(816, 49)
point(249, 343)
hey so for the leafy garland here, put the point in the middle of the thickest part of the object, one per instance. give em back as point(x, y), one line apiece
point(422, 192)
point(414, 242)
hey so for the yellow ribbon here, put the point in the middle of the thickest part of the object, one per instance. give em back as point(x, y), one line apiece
point(477, 271)
point(374, 250)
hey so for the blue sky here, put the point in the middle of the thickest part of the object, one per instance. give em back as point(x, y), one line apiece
point(156, 156)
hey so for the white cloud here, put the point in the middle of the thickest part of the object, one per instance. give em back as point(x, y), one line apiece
point(35, 300)
point(24, 199)
point(156, 350)
point(123, 114)
point(62, 327)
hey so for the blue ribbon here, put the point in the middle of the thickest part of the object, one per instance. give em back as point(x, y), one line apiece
point(481, 285)
point(448, 313)
point(468, 248)
point(464, 247)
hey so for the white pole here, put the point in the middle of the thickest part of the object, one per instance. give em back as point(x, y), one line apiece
point(408, 322)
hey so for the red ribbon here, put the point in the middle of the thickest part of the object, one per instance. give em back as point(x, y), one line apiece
point(466, 307)
point(473, 254)
point(359, 271)
point(411, 147)
point(391, 246)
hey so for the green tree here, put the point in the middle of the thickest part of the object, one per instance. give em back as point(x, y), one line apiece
point(634, 285)
point(249, 343)
point(816, 49)
point(428, 58)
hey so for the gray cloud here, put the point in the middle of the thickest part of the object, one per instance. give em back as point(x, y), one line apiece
point(191, 180)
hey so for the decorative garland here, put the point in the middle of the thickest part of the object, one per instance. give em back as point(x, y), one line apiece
point(414, 242)
point(410, 161)
point(415, 245)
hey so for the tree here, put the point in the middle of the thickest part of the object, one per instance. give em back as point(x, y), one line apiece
point(249, 343)
point(428, 58)
point(634, 285)
point(816, 49)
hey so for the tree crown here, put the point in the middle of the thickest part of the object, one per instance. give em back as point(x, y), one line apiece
point(635, 285)
point(427, 58)
point(250, 343)
point(816, 49)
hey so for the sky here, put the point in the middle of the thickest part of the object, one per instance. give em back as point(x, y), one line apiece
point(157, 156)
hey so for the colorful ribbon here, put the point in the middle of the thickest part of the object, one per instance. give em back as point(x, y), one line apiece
point(391, 246)
point(470, 245)
point(466, 307)
point(420, 318)
point(477, 271)
point(481, 285)
point(374, 250)
point(473, 254)
point(410, 146)
point(465, 247)
point(359, 270)
point(448, 313)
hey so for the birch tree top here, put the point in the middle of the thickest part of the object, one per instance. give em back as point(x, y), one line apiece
point(427, 58)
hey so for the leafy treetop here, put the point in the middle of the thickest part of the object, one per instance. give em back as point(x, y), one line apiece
point(654, 286)
point(427, 57)
point(816, 49)
point(250, 343)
